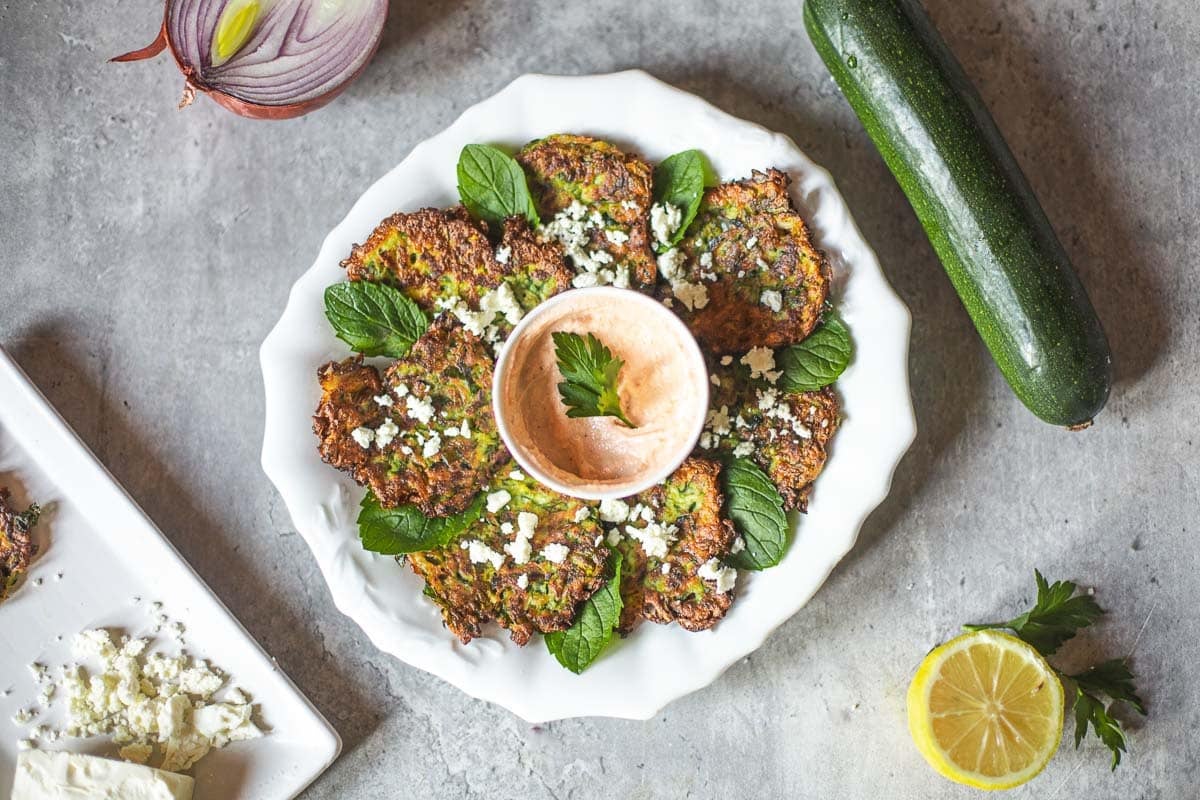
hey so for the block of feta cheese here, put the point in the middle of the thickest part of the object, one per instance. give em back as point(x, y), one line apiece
point(43, 775)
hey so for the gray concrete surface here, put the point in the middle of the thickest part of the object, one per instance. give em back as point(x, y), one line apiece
point(147, 251)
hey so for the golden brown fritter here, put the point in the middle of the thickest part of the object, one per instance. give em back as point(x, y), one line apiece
point(471, 590)
point(431, 254)
point(688, 505)
point(752, 253)
point(534, 270)
point(786, 434)
point(412, 422)
point(564, 169)
point(16, 542)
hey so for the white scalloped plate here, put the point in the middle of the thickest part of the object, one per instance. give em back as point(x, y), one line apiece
point(657, 664)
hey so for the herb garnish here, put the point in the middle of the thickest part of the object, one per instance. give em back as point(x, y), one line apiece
point(756, 509)
point(1057, 616)
point(492, 186)
point(590, 371)
point(680, 180)
point(374, 318)
point(819, 360)
point(393, 531)
point(580, 645)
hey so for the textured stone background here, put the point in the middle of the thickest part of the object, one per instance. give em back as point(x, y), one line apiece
point(146, 252)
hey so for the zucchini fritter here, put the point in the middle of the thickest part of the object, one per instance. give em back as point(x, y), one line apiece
point(786, 434)
point(423, 433)
point(766, 282)
point(687, 506)
point(438, 257)
point(613, 187)
point(476, 579)
point(16, 542)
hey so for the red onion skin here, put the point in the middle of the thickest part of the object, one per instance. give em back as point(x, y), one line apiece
point(242, 108)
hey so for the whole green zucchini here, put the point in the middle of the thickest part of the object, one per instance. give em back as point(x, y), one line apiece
point(976, 206)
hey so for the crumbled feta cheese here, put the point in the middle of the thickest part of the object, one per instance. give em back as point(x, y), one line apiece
point(520, 548)
point(585, 280)
point(751, 242)
point(718, 421)
point(614, 511)
point(516, 475)
point(401, 390)
point(386, 432)
point(708, 441)
point(705, 260)
point(666, 569)
point(507, 528)
point(739, 544)
point(760, 360)
point(582, 513)
point(384, 400)
point(498, 500)
point(502, 301)
point(670, 264)
point(616, 236)
point(364, 437)
point(464, 430)
point(630, 205)
point(714, 380)
point(555, 552)
point(503, 254)
point(763, 265)
point(432, 446)
point(726, 361)
point(665, 219)
point(693, 295)
point(408, 451)
point(771, 299)
point(613, 537)
point(655, 538)
point(420, 410)
point(724, 577)
point(744, 449)
point(572, 228)
point(480, 553)
point(522, 581)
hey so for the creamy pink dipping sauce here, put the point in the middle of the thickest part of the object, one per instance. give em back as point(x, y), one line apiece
point(663, 387)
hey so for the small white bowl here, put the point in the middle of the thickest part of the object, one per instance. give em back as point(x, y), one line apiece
point(695, 394)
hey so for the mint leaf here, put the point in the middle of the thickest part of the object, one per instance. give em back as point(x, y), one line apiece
point(819, 360)
point(1090, 711)
point(492, 186)
point(590, 373)
point(754, 505)
point(392, 531)
point(579, 645)
point(373, 318)
point(680, 180)
point(1112, 678)
point(1056, 617)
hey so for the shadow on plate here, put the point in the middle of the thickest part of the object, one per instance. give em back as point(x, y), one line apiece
point(56, 363)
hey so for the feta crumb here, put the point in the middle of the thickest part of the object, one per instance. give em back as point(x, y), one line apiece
point(520, 548)
point(523, 581)
point(666, 568)
point(420, 410)
point(665, 219)
point(464, 430)
point(555, 552)
point(743, 450)
point(386, 432)
point(516, 475)
point(705, 260)
point(613, 537)
point(670, 264)
point(763, 265)
point(384, 400)
point(364, 437)
point(726, 361)
point(503, 254)
point(724, 577)
point(432, 446)
point(614, 511)
point(714, 380)
point(616, 236)
point(401, 390)
point(506, 528)
point(739, 544)
point(761, 360)
point(655, 538)
point(771, 299)
point(480, 553)
point(717, 421)
point(582, 513)
point(498, 500)
point(693, 295)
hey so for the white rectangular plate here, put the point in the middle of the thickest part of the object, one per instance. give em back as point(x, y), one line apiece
point(108, 552)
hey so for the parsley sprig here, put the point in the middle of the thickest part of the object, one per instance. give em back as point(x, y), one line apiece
point(1056, 617)
point(590, 371)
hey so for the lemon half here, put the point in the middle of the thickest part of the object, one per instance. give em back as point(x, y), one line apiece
point(986, 710)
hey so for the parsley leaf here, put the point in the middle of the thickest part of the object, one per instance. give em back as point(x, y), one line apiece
point(1089, 710)
point(1055, 618)
point(1111, 678)
point(393, 531)
point(680, 180)
point(754, 505)
point(373, 318)
point(590, 370)
point(579, 645)
point(819, 360)
point(492, 186)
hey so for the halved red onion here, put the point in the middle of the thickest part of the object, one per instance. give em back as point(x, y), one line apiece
point(268, 59)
